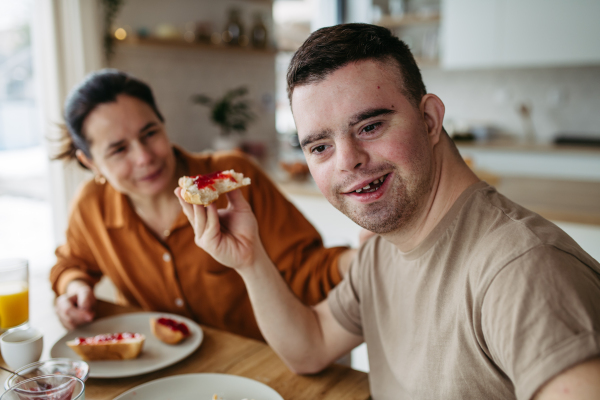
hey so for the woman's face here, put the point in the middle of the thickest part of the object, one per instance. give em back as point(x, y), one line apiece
point(129, 147)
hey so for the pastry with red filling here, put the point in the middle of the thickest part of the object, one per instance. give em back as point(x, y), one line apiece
point(108, 346)
point(205, 189)
point(168, 330)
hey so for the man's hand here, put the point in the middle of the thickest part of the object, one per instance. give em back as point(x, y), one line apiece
point(77, 305)
point(229, 235)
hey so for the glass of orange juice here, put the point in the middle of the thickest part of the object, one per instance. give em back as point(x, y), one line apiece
point(14, 293)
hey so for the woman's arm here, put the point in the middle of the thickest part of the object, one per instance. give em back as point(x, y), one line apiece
point(74, 275)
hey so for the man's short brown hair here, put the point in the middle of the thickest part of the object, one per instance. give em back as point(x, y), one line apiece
point(331, 48)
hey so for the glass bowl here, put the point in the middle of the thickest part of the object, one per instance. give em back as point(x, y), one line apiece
point(53, 366)
point(47, 387)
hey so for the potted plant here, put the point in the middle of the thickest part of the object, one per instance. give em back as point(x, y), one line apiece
point(232, 113)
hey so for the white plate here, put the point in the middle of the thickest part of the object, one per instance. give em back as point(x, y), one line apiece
point(155, 354)
point(201, 387)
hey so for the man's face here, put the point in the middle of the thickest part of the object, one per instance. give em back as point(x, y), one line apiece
point(366, 145)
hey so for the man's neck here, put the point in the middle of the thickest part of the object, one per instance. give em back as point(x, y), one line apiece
point(452, 177)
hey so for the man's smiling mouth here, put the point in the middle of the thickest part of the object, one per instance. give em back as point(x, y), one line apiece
point(372, 186)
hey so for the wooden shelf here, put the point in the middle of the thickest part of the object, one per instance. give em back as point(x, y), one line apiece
point(390, 21)
point(200, 46)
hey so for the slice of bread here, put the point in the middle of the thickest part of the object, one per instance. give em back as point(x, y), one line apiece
point(169, 330)
point(110, 346)
point(205, 189)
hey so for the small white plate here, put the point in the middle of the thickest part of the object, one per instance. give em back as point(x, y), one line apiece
point(201, 387)
point(155, 354)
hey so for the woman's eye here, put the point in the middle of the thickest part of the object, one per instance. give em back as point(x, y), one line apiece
point(319, 149)
point(119, 150)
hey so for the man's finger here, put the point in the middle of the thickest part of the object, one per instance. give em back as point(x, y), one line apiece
point(199, 219)
point(187, 208)
point(213, 225)
point(237, 201)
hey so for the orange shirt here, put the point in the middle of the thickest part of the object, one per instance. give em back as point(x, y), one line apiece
point(106, 237)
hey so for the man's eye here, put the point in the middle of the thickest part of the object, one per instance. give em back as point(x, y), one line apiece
point(150, 134)
point(119, 150)
point(371, 127)
point(319, 149)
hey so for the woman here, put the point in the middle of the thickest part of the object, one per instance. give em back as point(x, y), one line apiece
point(128, 225)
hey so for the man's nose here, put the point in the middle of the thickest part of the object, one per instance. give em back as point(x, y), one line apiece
point(350, 155)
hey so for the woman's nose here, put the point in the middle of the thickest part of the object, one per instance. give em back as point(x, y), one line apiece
point(142, 154)
point(350, 155)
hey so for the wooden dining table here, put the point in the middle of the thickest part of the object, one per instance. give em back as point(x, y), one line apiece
point(227, 353)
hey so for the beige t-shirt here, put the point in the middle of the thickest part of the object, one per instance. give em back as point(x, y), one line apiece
point(491, 305)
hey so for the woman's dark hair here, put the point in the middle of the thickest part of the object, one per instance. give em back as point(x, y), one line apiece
point(331, 48)
point(97, 88)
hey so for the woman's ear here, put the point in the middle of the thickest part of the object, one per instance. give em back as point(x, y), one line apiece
point(433, 110)
point(82, 158)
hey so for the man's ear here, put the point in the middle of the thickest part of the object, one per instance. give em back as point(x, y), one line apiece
point(82, 158)
point(433, 110)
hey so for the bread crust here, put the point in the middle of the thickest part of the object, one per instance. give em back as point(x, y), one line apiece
point(206, 196)
point(122, 350)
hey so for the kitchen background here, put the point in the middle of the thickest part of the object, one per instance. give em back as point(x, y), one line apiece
point(516, 77)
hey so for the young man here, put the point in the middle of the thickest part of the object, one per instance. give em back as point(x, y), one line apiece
point(464, 294)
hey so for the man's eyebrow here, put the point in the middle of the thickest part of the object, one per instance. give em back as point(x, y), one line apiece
point(374, 112)
point(313, 137)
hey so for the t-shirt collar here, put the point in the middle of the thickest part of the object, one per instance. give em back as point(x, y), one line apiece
point(444, 223)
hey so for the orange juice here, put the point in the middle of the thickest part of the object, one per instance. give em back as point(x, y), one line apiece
point(14, 304)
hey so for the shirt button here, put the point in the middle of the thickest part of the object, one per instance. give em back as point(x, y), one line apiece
point(166, 257)
point(178, 302)
point(166, 232)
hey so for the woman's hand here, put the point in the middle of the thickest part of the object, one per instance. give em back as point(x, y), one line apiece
point(76, 307)
point(229, 235)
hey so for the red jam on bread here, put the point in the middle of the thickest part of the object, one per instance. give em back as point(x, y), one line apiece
point(108, 346)
point(168, 330)
point(209, 180)
point(205, 189)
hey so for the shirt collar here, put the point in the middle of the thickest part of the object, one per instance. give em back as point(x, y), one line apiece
point(115, 208)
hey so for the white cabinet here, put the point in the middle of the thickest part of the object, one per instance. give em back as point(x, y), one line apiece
point(520, 33)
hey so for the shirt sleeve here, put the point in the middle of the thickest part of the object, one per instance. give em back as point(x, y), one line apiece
point(292, 243)
point(344, 303)
point(75, 259)
point(541, 316)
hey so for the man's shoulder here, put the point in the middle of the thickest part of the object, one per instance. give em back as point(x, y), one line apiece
point(496, 232)
point(501, 222)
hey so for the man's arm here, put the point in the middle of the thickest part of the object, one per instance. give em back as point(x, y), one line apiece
point(581, 382)
point(306, 338)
